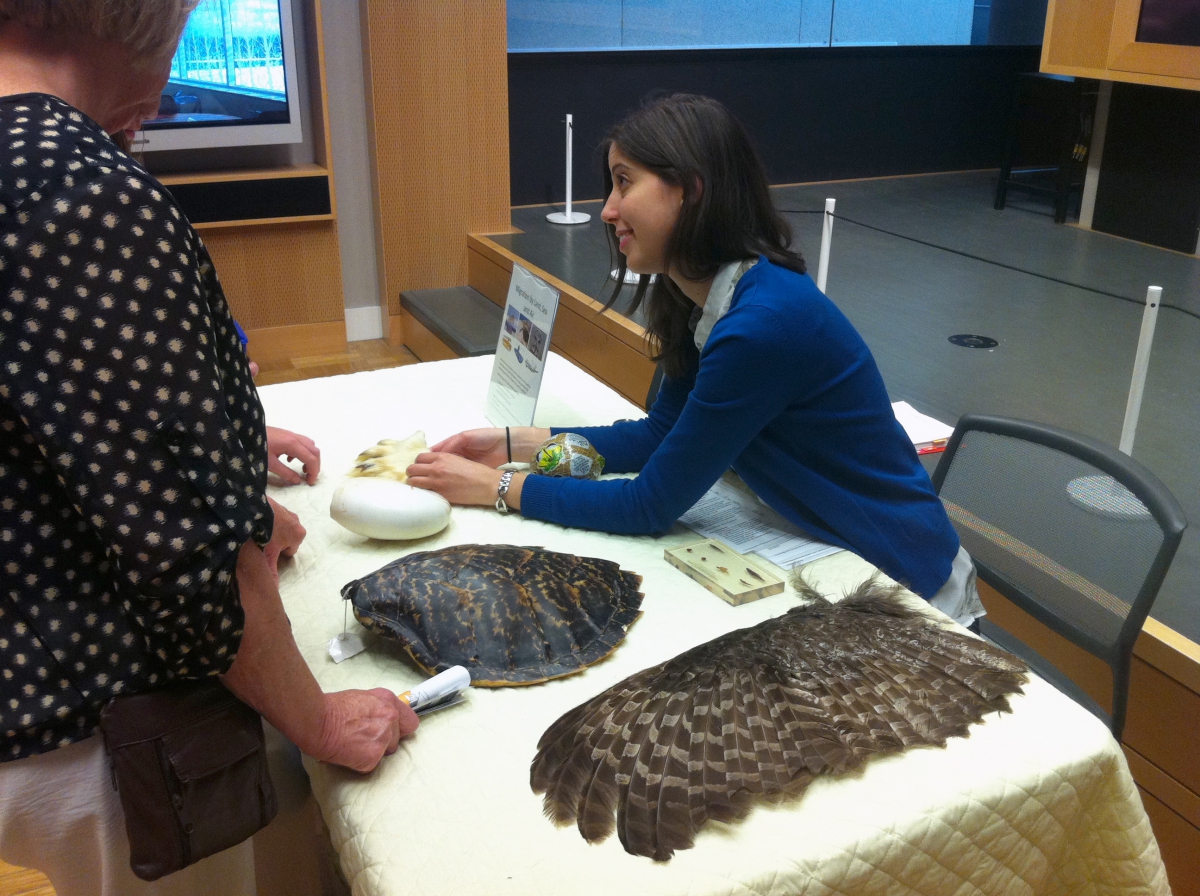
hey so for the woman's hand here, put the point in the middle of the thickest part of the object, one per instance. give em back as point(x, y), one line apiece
point(483, 446)
point(458, 480)
point(490, 446)
point(286, 536)
point(293, 446)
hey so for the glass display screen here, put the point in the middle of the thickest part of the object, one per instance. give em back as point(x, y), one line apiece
point(1170, 22)
point(229, 68)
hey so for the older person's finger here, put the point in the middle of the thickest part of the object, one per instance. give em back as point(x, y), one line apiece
point(276, 465)
point(293, 446)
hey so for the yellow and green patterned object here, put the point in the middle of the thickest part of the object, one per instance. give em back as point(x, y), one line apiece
point(567, 454)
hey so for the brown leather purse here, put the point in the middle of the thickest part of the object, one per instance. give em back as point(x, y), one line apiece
point(189, 763)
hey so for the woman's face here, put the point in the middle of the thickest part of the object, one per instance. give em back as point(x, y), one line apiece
point(643, 208)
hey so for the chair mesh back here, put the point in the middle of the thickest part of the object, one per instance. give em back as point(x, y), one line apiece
point(1054, 526)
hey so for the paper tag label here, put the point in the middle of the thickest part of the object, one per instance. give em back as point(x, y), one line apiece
point(344, 646)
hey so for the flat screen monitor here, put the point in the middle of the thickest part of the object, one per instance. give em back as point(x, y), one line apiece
point(233, 80)
point(1170, 22)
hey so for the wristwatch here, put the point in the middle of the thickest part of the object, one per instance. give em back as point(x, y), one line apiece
point(502, 490)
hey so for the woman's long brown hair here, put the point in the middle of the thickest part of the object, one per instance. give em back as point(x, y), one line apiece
point(694, 142)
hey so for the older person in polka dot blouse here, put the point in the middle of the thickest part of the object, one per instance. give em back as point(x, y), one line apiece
point(133, 449)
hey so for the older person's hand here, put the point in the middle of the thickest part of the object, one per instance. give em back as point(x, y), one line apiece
point(361, 727)
point(353, 728)
point(286, 536)
point(283, 443)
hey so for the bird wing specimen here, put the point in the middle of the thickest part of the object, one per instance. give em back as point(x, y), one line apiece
point(511, 615)
point(761, 710)
point(390, 458)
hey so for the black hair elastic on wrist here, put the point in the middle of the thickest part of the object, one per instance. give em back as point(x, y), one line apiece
point(508, 442)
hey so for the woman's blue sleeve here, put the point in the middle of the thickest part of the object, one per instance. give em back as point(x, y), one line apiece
point(737, 392)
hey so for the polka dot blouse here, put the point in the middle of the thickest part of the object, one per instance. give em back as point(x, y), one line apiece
point(132, 442)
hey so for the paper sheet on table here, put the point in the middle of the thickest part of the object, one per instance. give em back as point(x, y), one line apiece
point(921, 428)
point(751, 527)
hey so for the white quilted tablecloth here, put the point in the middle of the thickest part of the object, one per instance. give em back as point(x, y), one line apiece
point(1039, 801)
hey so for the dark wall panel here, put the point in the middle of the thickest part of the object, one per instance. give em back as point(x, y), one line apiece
point(246, 200)
point(814, 113)
point(1016, 21)
point(1149, 186)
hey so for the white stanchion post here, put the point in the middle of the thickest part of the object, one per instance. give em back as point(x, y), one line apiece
point(570, 154)
point(569, 217)
point(826, 237)
point(1141, 364)
point(1102, 494)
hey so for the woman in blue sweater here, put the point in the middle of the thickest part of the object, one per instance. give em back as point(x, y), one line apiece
point(762, 374)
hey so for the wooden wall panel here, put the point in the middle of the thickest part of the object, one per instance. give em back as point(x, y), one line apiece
point(437, 86)
point(296, 342)
point(610, 347)
point(421, 341)
point(1094, 39)
point(1163, 724)
point(1150, 777)
point(488, 276)
point(1077, 33)
point(1179, 843)
point(279, 275)
point(623, 368)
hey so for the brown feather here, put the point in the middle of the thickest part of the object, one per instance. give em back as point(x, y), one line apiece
point(763, 710)
point(635, 821)
point(697, 736)
point(598, 800)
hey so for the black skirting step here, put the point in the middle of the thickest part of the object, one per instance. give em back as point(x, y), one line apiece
point(466, 320)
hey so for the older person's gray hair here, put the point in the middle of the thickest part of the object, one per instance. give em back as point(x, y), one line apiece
point(149, 29)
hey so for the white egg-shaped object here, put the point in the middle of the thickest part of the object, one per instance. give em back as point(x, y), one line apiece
point(389, 510)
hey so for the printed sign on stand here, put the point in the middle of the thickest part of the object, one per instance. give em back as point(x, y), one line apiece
point(521, 349)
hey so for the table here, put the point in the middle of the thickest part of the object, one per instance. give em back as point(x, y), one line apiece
point(1036, 801)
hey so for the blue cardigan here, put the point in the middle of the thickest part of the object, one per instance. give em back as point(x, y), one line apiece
point(787, 394)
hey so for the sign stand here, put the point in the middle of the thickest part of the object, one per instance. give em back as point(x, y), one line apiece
point(521, 349)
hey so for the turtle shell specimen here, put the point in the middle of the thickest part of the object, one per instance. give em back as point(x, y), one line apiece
point(511, 615)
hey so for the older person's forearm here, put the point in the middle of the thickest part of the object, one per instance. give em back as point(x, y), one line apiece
point(269, 673)
point(354, 728)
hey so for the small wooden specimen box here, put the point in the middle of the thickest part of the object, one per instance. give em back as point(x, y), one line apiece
point(724, 572)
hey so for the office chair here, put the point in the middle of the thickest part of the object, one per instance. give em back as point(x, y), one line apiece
point(1073, 532)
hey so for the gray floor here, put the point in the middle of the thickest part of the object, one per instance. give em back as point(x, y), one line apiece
point(1065, 354)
